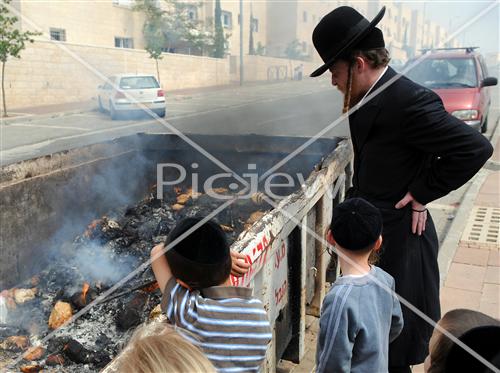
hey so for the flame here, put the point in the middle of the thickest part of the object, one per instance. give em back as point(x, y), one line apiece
point(178, 190)
point(91, 227)
point(85, 289)
point(151, 287)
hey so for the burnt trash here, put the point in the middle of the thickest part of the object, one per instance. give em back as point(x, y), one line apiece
point(34, 353)
point(123, 237)
point(84, 297)
point(132, 313)
point(76, 352)
point(79, 354)
point(56, 344)
point(15, 343)
point(11, 330)
point(54, 360)
point(34, 368)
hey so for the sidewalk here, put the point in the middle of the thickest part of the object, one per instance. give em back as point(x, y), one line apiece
point(473, 279)
point(471, 273)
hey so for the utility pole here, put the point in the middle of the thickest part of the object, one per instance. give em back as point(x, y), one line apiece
point(241, 42)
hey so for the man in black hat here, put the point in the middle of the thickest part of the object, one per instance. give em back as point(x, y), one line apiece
point(408, 151)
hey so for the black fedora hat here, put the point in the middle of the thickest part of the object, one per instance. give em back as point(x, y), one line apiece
point(343, 29)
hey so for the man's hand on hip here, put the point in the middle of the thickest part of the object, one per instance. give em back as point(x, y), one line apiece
point(419, 213)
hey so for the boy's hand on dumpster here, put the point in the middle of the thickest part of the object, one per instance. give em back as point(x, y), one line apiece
point(239, 266)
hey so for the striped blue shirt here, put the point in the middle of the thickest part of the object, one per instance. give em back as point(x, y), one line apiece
point(225, 322)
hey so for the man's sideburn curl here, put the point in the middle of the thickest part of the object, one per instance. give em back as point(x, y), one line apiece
point(375, 58)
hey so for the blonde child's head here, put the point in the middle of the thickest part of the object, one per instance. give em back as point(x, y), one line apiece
point(158, 347)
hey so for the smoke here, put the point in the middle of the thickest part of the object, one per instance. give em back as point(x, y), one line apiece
point(3, 310)
point(98, 263)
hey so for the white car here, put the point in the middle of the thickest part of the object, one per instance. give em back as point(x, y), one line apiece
point(131, 92)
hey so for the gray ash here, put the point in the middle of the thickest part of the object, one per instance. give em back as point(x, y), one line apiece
point(110, 248)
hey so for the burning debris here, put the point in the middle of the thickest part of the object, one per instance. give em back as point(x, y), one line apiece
point(24, 295)
point(15, 343)
point(108, 249)
point(34, 353)
point(60, 314)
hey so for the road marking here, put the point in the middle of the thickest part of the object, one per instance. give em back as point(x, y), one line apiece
point(48, 126)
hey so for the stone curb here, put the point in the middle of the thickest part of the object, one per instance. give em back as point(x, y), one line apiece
point(452, 239)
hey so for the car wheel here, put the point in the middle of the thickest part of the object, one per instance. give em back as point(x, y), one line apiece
point(484, 127)
point(160, 113)
point(112, 112)
point(99, 103)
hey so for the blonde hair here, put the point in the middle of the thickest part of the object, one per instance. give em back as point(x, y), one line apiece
point(159, 348)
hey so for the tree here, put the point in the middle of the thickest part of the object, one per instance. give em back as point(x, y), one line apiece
point(261, 49)
point(154, 35)
point(12, 42)
point(293, 50)
point(174, 26)
point(219, 40)
point(251, 48)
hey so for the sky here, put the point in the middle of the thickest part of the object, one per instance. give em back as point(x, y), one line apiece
point(455, 14)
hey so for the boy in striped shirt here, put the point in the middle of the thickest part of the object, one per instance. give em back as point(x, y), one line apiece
point(224, 321)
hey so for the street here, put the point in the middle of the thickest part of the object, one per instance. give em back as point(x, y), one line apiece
point(286, 108)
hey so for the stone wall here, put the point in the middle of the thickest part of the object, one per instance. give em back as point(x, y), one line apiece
point(50, 73)
point(53, 74)
point(259, 68)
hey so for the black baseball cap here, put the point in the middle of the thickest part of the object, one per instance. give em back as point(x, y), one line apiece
point(356, 224)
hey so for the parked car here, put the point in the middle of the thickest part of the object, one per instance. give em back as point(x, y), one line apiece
point(460, 77)
point(131, 92)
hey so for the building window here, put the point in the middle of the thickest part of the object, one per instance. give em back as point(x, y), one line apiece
point(227, 19)
point(58, 34)
point(192, 13)
point(304, 16)
point(124, 42)
point(255, 25)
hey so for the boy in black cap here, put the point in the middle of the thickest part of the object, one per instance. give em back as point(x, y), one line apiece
point(359, 318)
point(227, 323)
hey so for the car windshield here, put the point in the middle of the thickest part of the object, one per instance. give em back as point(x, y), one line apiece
point(445, 73)
point(139, 82)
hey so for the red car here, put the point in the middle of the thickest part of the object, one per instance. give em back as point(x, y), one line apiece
point(460, 78)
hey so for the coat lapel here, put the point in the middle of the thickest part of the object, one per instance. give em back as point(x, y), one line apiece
point(362, 120)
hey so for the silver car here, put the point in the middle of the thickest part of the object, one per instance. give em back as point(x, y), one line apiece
point(126, 93)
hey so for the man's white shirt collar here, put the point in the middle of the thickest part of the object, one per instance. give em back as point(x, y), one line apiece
point(373, 85)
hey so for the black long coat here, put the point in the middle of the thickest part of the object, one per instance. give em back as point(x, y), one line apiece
point(404, 140)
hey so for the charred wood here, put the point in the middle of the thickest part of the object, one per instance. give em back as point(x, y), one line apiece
point(132, 314)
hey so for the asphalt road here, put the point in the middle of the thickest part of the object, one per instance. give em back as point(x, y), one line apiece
point(287, 108)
